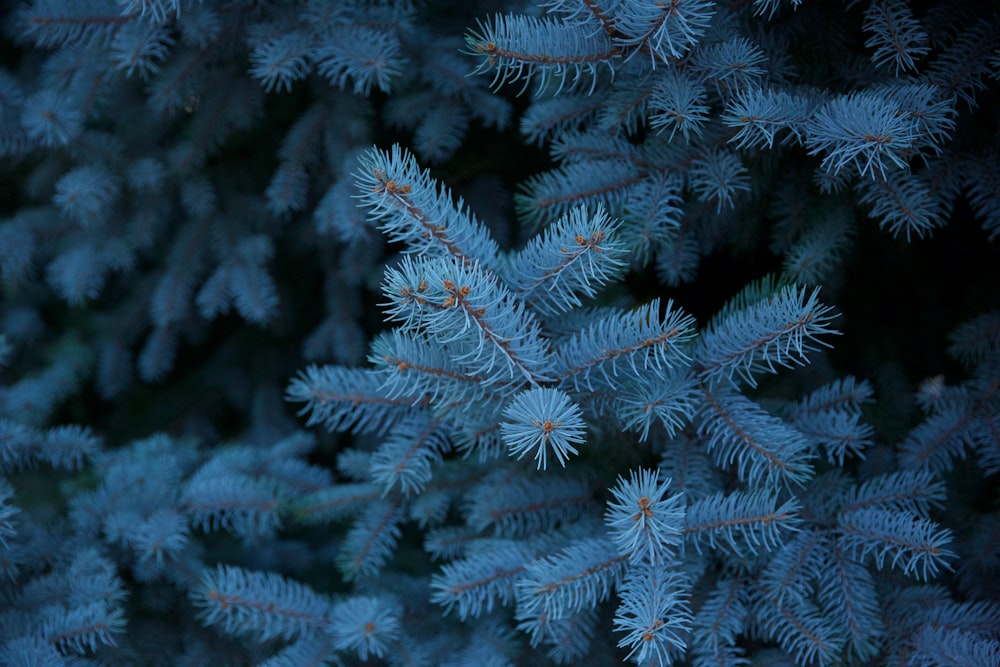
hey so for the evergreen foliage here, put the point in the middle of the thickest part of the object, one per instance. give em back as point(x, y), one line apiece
point(499, 333)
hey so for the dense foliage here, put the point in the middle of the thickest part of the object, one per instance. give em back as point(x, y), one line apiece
point(488, 333)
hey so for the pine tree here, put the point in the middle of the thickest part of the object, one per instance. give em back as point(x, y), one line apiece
point(495, 256)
